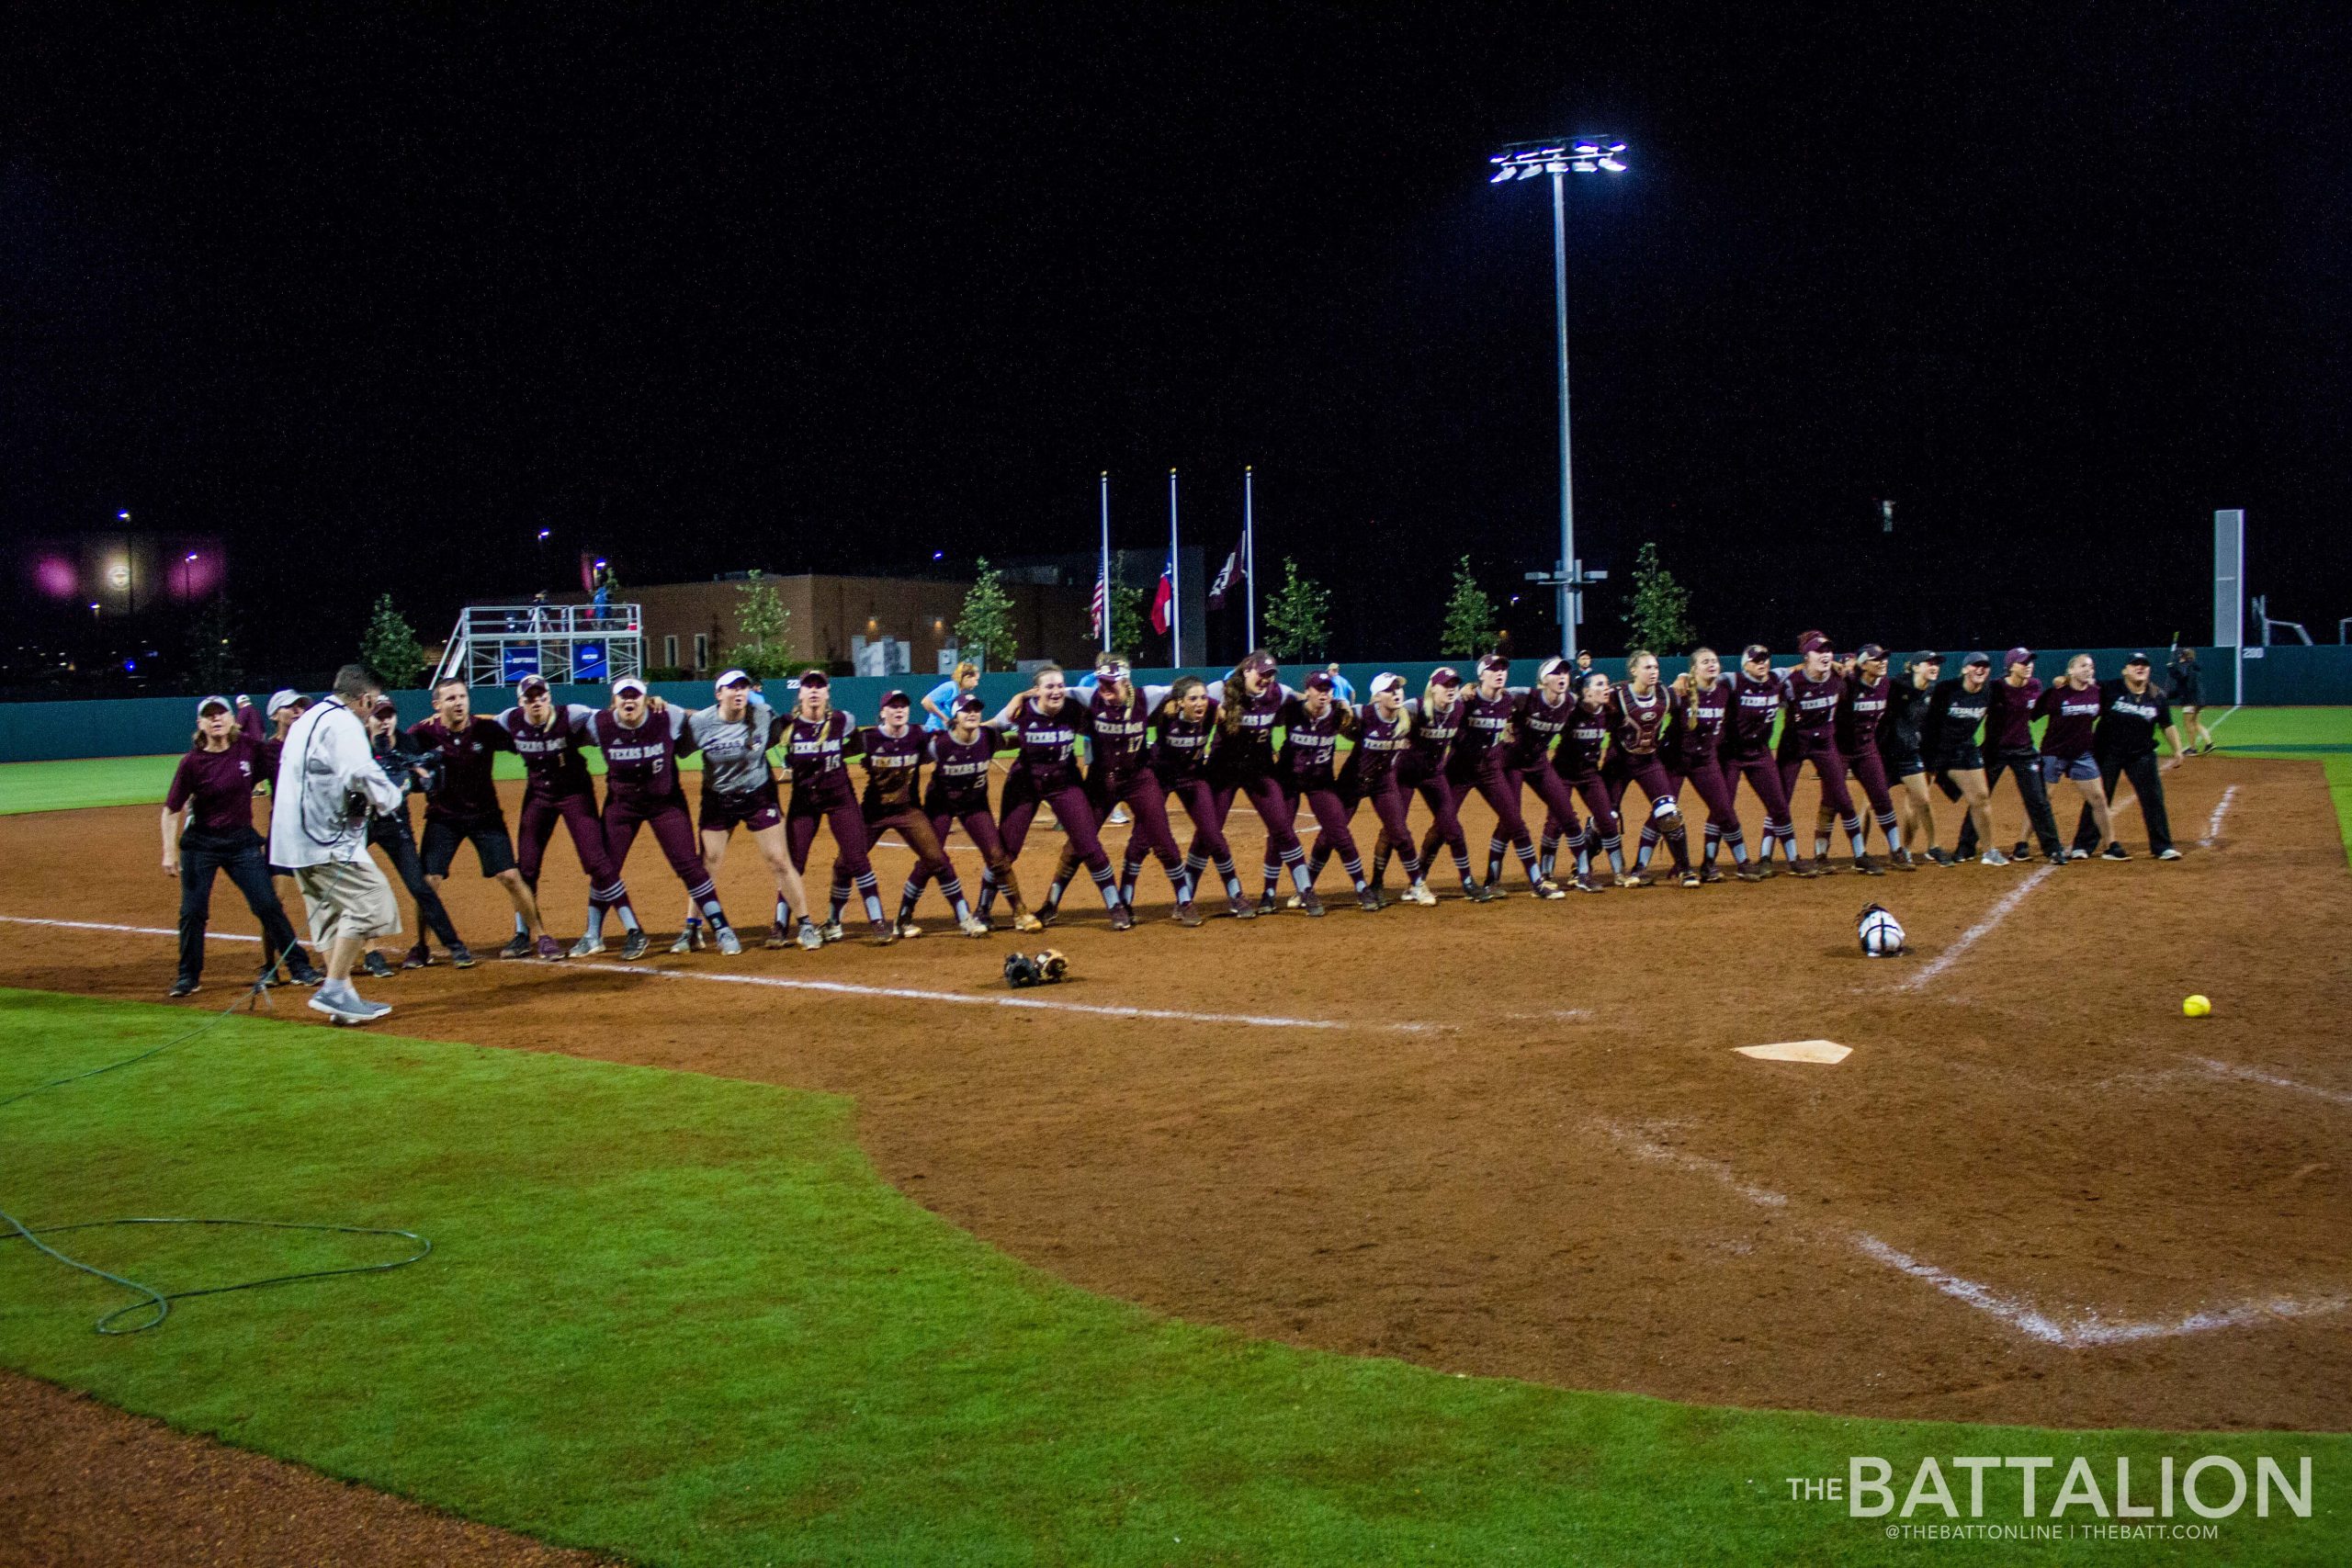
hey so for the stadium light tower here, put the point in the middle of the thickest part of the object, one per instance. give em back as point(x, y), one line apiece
point(1560, 158)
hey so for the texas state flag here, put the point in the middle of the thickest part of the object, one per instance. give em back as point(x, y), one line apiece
point(1163, 597)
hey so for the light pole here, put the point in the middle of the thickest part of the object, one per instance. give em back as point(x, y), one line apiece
point(1524, 161)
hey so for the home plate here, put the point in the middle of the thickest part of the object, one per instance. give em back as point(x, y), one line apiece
point(1824, 1051)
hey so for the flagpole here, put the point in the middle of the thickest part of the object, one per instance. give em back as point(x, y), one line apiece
point(1249, 555)
point(1106, 561)
point(1175, 583)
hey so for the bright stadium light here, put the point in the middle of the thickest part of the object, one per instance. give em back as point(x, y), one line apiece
point(1524, 161)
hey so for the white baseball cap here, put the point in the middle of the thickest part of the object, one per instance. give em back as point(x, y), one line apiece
point(730, 678)
point(1387, 681)
point(209, 704)
point(629, 683)
point(284, 696)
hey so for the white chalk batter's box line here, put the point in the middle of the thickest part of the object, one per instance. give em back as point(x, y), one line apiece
point(2085, 1329)
point(1020, 1001)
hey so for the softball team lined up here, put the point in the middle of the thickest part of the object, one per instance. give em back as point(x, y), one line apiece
point(1576, 743)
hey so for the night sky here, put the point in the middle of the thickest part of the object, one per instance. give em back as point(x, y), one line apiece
point(375, 296)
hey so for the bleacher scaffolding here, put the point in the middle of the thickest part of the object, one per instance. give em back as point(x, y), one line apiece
point(497, 644)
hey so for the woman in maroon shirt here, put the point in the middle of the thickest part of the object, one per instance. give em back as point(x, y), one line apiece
point(2072, 706)
point(1577, 760)
point(207, 824)
point(1637, 716)
point(818, 743)
point(1437, 724)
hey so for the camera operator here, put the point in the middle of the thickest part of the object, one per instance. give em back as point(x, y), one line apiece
point(328, 786)
point(417, 773)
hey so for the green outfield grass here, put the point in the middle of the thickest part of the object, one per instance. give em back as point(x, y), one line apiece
point(681, 1319)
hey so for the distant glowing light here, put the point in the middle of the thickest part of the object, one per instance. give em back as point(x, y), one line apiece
point(122, 516)
point(189, 557)
point(118, 574)
point(1525, 160)
point(55, 576)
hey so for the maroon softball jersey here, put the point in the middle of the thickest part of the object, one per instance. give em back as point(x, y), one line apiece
point(2008, 725)
point(959, 772)
point(553, 768)
point(1747, 730)
point(1537, 723)
point(1248, 751)
point(894, 769)
point(1812, 712)
point(640, 764)
point(1380, 748)
point(1309, 742)
point(1695, 725)
point(817, 755)
point(1049, 742)
point(1582, 742)
point(1485, 729)
point(1119, 732)
point(2073, 715)
point(1179, 745)
point(469, 791)
point(1859, 713)
point(1433, 735)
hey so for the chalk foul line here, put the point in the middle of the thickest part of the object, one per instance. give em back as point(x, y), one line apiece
point(2221, 809)
point(2000, 911)
point(2254, 1075)
point(1020, 1000)
point(2084, 1330)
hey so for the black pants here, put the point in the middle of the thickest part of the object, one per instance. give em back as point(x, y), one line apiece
point(2147, 781)
point(393, 836)
point(241, 857)
point(2026, 768)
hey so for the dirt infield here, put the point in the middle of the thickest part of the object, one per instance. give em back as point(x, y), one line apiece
point(1516, 1139)
point(84, 1483)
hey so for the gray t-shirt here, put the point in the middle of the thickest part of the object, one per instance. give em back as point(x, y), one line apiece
point(734, 756)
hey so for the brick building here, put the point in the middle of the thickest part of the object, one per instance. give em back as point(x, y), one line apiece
point(688, 625)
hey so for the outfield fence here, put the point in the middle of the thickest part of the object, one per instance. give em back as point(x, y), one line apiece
point(141, 726)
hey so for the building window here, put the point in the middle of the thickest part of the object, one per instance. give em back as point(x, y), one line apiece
point(670, 652)
point(702, 651)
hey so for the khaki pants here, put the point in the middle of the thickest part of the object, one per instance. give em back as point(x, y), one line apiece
point(347, 898)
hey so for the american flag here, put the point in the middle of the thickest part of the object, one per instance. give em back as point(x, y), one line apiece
point(1102, 607)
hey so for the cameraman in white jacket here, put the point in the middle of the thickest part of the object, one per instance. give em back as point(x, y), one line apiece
point(328, 785)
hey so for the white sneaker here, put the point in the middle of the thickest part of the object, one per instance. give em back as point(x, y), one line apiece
point(974, 926)
point(2078, 854)
point(1995, 857)
point(831, 931)
point(587, 947)
point(907, 928)
point(1419, 893)
point(2168, 855)
point(729, 944)
point(1119, 818)
point(809, 937)
point(688, 940)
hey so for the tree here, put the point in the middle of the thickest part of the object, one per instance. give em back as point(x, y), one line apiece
point(1473, 625)
point(212, 659)
point(763, 645)
point(984, 630)
point(1298, 616)
point(1657, 613)
point(390, 646)
point(1128, 622)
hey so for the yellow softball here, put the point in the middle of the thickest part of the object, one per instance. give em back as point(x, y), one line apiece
point(2196, 1007)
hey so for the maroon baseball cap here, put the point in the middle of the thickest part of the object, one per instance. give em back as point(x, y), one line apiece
point(533, 686)
point(1755, 650)
point(897, 700)
point(1262, 663)
point(1444, 675)
point(1494, 661)
point(2016, 656)
point(813, 681)
point(1871, 650)
point(1816, 643)
point(384, 709)
point(968, 704)
point(1319, 681)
